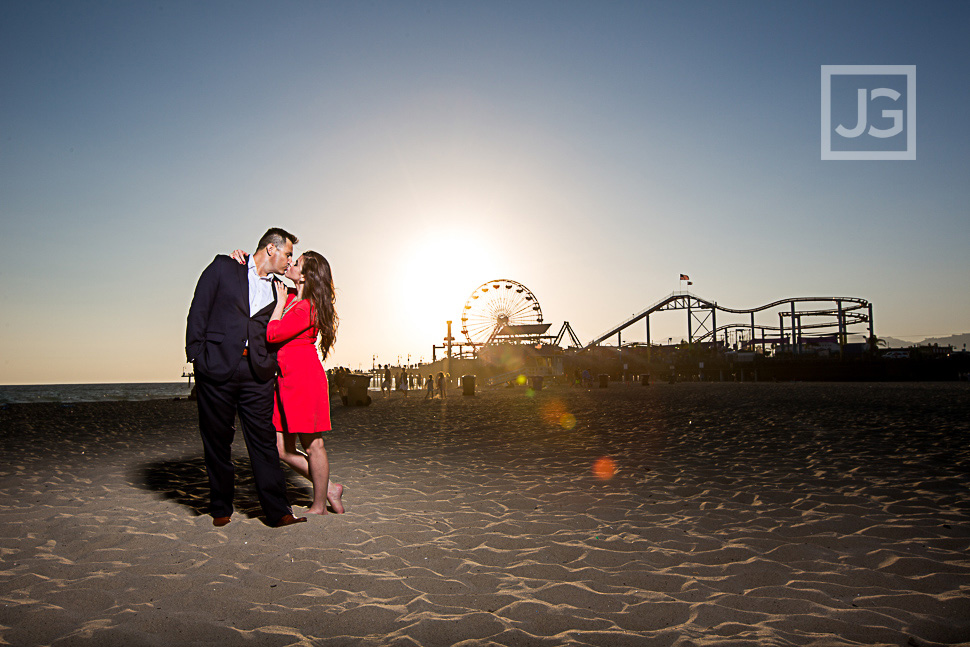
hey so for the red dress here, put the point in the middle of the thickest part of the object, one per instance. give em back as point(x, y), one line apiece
point(302, 403)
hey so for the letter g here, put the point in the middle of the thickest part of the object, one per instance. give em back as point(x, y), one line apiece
point(895, 115)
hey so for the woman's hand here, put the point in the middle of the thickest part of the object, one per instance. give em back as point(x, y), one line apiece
point(280, 291)
point(280, 301)
point(240, 256)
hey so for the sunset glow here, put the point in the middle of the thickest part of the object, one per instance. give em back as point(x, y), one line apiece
point(590, 152)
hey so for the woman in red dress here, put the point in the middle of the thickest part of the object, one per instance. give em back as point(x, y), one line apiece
point(303, 322)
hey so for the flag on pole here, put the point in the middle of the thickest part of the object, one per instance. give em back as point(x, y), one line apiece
point(684, 277)
point(690, 283)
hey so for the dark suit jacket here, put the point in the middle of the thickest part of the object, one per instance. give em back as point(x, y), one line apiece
point(219, 324)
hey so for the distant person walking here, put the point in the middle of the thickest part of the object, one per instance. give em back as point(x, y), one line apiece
point(441, 385)
point(402, 382)
point(429, 393)
point(235, 371)
point(386, 384)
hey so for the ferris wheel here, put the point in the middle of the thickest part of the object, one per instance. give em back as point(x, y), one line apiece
point(495, 305)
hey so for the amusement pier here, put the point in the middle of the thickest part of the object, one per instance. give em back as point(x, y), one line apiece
point(502, 339)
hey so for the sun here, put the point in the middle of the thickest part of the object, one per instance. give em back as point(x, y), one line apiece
point(444, 268)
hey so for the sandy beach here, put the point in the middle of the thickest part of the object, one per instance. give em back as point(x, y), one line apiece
point(684, 514)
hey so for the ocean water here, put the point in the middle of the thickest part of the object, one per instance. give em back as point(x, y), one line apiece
point(10, 394)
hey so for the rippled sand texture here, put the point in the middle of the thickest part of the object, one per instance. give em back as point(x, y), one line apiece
point(736, 514)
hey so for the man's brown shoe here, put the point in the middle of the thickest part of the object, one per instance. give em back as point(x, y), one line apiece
point(220, 521)
point(289, 520)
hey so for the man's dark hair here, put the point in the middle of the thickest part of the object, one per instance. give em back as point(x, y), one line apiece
point(277, 237)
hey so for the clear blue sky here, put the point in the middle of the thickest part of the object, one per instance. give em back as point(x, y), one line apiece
point(592, 151)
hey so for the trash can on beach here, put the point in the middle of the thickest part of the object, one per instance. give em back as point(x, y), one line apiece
point(353, 390)
point(536, 382)
point(645, 379)
point(604, 380)
point(468, 385)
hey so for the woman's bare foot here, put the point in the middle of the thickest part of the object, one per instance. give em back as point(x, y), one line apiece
point(314, 510)
point(333, 496)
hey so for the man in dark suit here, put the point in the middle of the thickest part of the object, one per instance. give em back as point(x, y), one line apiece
point(235, 371)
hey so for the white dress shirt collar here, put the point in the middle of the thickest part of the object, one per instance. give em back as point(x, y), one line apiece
point(260, 289)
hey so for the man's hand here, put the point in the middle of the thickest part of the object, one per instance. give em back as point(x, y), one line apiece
point(240, 256)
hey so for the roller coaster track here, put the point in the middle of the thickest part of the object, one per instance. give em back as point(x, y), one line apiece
point(846, 311)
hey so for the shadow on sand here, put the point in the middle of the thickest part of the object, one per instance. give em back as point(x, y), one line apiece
point(185, 482)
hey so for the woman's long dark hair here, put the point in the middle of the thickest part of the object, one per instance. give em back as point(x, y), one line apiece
point(318, 289)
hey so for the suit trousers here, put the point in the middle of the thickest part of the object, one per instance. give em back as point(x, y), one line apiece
point(219, 402)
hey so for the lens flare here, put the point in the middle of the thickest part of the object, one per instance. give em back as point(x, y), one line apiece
point(604, 468)
point(520, 380)
point(552, 411)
